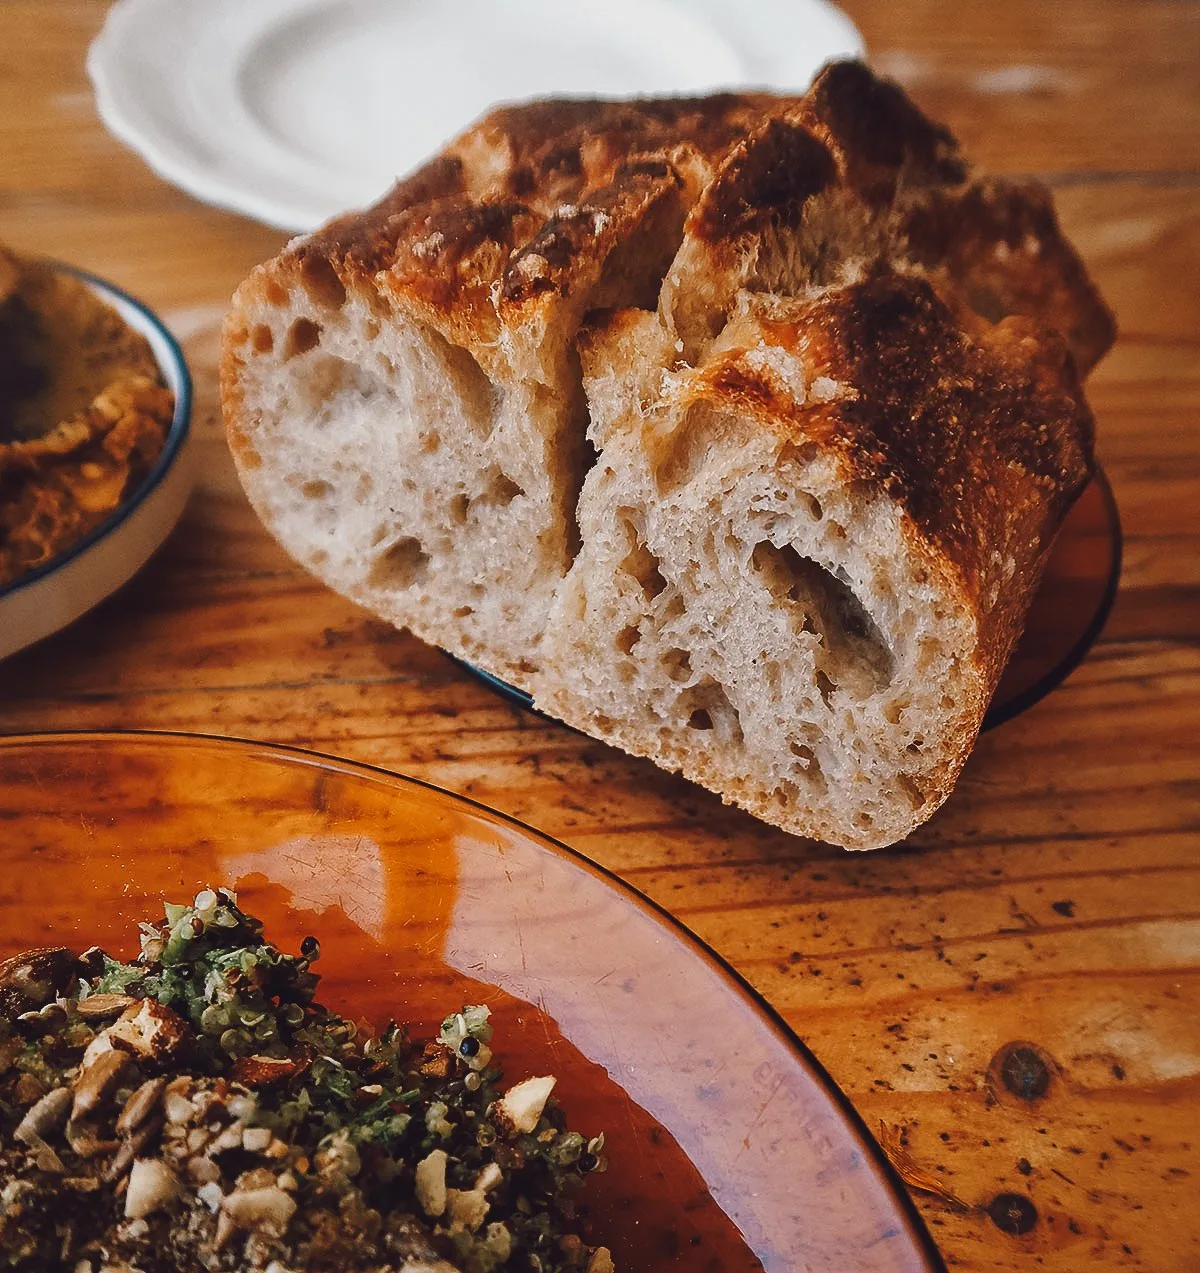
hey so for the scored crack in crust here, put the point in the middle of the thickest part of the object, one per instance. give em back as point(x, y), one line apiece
point(735, 429)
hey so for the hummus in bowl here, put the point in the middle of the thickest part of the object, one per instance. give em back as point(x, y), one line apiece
point(94, 408)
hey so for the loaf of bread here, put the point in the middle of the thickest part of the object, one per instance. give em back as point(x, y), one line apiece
point(736, 430)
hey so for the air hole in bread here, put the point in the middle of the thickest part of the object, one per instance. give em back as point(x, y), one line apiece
point(639, 562)
point(674, 608)
point(893, 710)
point(316, 489)
point(864, 821)
point(825, 685)
point(910, 791)
point(371, 329)
point(430, 441)
point(500, 489)
point(479, 400)
point(643, 565)
point(628, 637)
point(811, 505)
point(706, 706)
point(401, 566)
point(275, 292)
point(677, 664)
point(302, 336)
point(822, 602)
point(363, 487)
point(803, 753)
point(634, 270)
point(261, 339)
point(460, 506)
point(677, 455)
point(464, 612)
point(319, 279)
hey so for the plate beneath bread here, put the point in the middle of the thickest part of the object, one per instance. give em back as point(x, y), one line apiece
point(1067, 615)
point(293, 113)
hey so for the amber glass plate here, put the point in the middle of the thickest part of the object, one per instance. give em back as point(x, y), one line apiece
point(1067, 615)
point(730, 1148)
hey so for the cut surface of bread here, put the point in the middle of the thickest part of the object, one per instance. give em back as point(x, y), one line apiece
point(805, 560)
point(736, 430)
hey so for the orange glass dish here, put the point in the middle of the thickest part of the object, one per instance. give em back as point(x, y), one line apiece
point(729, 1147)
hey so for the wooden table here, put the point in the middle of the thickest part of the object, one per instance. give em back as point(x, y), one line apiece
point(1055, 901)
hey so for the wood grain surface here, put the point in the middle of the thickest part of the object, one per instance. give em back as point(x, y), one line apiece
point(1017, 989)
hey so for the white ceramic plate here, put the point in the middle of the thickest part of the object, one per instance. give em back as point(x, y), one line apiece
point(294, 111)
point(57, 593)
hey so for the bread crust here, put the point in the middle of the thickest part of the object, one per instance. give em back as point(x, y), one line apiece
point(945, 317)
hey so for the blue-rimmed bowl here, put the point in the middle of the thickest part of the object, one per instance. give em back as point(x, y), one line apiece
point(57, 592)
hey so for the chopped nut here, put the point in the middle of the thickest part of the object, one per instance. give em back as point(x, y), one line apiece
point(131, 1148)
point(269, 1209)
point(256, 1139)
point(210, 1194)
point(101, 1007)
point(259, 1071)
point(431, 1182)
point(42, 1021)
point(466, 1208)
point(45, 1117)
point(97, 1080)
point(202, 1171)
point(152, 1186)
point(520, 1108)
point(140, 1105)
point(436, 1061)
point(85, 1140)
point(176, 1106)
point(34, 978)
point(149, 1029)
point(228, 1138)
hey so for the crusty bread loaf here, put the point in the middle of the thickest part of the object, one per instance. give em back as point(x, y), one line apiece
point(736, 429)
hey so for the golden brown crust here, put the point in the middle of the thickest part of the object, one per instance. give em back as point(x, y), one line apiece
point(472, 218)
point(882, 138)
point(999, 246)
point(983, 439)
point(530, 201)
